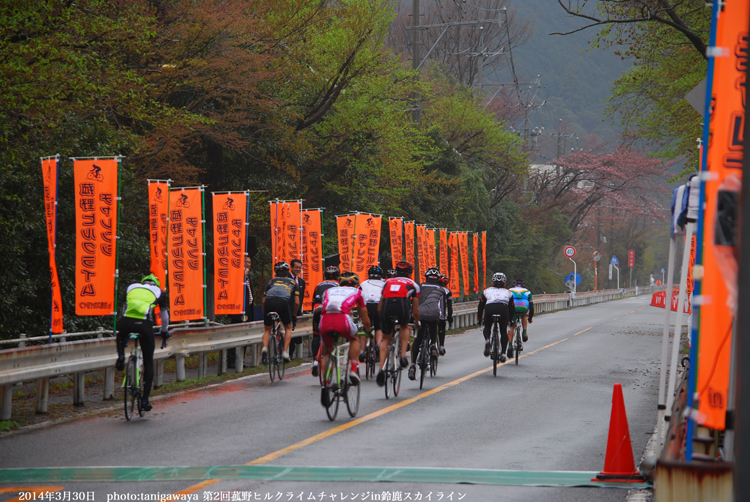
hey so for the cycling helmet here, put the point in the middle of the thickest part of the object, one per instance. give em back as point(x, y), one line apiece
point(390, 273)
point(404, 269)
point(281, 268)
point(332, 272)
point(375, 272)
point(349, 279)
point(151, 278)
point(499, 278)
point(432, 274)
point(443, 279)
point(518, 282)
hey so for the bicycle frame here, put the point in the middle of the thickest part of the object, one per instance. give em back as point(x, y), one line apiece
point(137, 354)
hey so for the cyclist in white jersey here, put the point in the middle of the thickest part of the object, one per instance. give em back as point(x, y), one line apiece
point(496, 300)
point(372, 290)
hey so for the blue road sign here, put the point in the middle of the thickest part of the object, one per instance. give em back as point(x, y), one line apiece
point(662, 271)
point(614, 260)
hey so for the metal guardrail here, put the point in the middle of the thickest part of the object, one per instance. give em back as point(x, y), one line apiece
point(42, 362)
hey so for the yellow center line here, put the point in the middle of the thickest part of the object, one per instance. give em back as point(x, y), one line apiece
point(343, 427)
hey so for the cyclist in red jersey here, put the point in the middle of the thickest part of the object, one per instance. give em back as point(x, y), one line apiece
point(331, 275)
point(400, 300)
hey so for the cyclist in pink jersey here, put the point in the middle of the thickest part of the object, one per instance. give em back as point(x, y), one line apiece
point(336, 319)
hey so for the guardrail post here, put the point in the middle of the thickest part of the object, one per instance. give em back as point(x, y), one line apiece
point(6, 401)
point(42, 395)
point(254, 359)
point(239, 359)
point(159, 373)
point(100, 335)
point(180, 367)
point(79, 389)
point(202, 363)
point(109, 384)
point(223, 361)
point(22, 344)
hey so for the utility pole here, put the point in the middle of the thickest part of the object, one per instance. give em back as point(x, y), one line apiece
point(415, 58)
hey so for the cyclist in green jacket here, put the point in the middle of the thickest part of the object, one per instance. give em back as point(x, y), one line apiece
point(524, 305)
point(138, 317)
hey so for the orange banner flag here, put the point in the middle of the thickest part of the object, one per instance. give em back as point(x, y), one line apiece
point(444, 265)
point(454, 277)
point(463, 240)
point(421, 251)
point(49, 176)
point(158, 209)
point(312, 251)
point(409, 243)
point(368, 227)
point(476, 262)
point(724, 161)
point(96, 197)
point(286, 234)
point(397, 247)
point(230, 251)
point(484, 261)
point(345, 232)
point(186, 262)
point(431, 248)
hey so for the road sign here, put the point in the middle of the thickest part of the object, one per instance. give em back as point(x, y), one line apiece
point(662, 271)
point(610, 271)
point(597, 256)
point(614, 260)
point(570, 251)
point(631, 259)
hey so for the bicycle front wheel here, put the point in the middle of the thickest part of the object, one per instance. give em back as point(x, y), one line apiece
point(281, 364)
point(330, 388)
point(351, 395)
point(422, 358)
point(130, 389)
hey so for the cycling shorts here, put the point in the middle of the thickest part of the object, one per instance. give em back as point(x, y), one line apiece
point(281, 307)
point(399, 308)
point(372, 312)
point(521, 310)
point(340, 324)
point(492, 309)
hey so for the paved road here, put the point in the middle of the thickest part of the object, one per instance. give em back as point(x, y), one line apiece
point(549, 413)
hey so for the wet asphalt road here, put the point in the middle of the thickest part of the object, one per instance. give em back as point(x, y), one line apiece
point(549, 413)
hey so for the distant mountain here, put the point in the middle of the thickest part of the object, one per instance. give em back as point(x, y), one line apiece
point(575, 79)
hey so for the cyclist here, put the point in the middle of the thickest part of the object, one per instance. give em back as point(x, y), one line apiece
point(138, 317)
point(281, 295)
point(372, 290)
point(496, 300)
point(399, 294)
point(524, 308)
point(336, 318)
point(448, 314)
point(331, 280)
point(431, 309)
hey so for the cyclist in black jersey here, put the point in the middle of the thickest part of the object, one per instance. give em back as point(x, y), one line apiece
point(281, 295)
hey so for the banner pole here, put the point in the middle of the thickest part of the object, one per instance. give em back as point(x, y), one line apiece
point(54, 246)
point(322, 242)
point(117, 245)
point(246, 285)
point(203, 254)
point(301, 247)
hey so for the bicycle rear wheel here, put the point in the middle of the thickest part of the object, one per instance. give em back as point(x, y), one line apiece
point(272, 361)
point(130, 389)
point(422, 359)
point(517, 349)
point(494, 353)
point(389, 368)
point(397, 380)
point(433, 365)
point(281, 365)
point(330, 387)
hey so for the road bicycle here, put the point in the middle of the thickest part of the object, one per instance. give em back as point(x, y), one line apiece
point(495, 349)
point(276, 362)
point(372, 357)
point(427, 358)
point(517, 338)
point(132, 384)
point(392, 367)
point(336, 383)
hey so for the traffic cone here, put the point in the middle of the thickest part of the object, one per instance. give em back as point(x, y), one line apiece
point(619, 465)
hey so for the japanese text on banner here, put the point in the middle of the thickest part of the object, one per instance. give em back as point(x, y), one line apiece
point(421, 251)
point(49, 175)
point(158, 209)
point(96, 193)
point(345, 232)
point(463, 240)
point(230, 243)
point(368, 243)
point(454, 277)
point(476, 262)
point(186, 264)
point(484, 261)
point(444, 265)
point(396, 232)
point(409, 243)
point(312, 249)
point(431, 248)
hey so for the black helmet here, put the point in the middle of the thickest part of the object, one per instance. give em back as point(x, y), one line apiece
point(499, 278)
point(432, 274)
point(375, 272)
point(281, 268)
point(390, 273)
point(332, 272)
point(404, 269)
point(518, 282)
point(349, 279)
